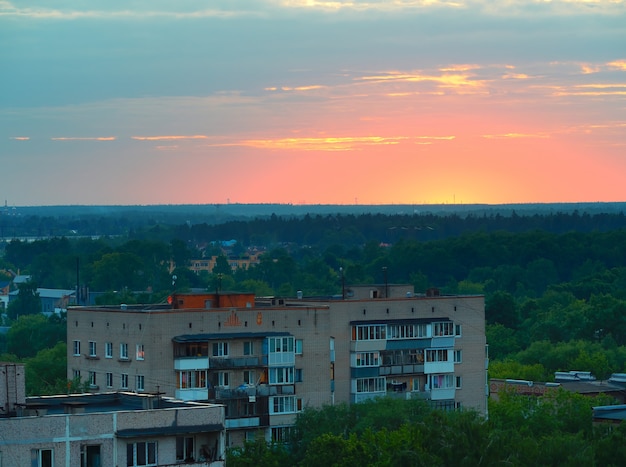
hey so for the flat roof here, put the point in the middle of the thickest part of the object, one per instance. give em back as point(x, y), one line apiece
point(107, 402)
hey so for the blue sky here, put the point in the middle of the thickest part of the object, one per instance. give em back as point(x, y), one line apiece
point(150, 102)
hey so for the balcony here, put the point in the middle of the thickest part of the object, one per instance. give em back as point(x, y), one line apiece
point(221, 363)
point(191, 363)
point(409, 369)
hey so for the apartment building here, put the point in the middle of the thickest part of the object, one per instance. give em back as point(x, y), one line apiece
point(105, 429)
point(267, 359)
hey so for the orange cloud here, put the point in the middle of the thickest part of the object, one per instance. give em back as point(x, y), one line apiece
point(619, 64)
point(322, 144)
point(169, 137)
point(99, 138)
point(20, 138)
point(517, 135)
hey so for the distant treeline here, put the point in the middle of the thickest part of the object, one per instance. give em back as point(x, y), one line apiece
point(258, 225)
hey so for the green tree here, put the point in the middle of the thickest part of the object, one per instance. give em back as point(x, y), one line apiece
point(32, 333)
point(27, 301)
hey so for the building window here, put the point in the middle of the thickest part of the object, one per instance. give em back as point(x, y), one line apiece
point(140, 354)
point(223, 379)
point(141, 454)
point(298, 346)
point(220, 349)
point(282, 375)
point(248, 348)
point(457, 330)
point(109, 380)
point(458, 382)
point(298, 375)
point(282, 404)
point(437, 355)
point(92, 379)
point(140, 383)
point(123, 351)
point(371, 384)
point(184, 449)
point(281, 434)
point(76, 375)
point(406, 331)
point(42, 457)
point(443, 329)
point(248, 377)
point(458, 356)
point(76, 347)
point(281, 344)
point(108, 349)
point(369, 332)
point(367, 359)
point(90, 455)
point(193, 379)
point(124, 381)
point(442, 381)
point(92, 349)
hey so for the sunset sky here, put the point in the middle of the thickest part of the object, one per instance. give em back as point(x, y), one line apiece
point(312, 102)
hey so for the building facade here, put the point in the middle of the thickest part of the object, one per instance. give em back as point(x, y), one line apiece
point(106, 429)
point(266, 360)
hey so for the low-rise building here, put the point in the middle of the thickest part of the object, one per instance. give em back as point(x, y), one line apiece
point(105, 429)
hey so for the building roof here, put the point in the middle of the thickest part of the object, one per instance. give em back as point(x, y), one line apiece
point(105, 402)
point(169, 430)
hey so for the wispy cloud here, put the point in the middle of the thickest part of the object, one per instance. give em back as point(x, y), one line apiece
point(516, 135)
point(97, 138)
point(20, 138)
point(169, 137)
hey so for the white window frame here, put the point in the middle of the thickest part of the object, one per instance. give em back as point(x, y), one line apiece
point(458, 331)
point(368, 332)
point(283, 405)
point(223, 379)
point(298, 348)
point(443, 329)
point(437, 355)
point(192, 379)
point(140, 383)
point(248, 348)
point(281, 375)
point(108, 350)
point(458, 356)
point(369, 385)
point(124, 381)
point(109, 380)
point(93, 349)
point(92, 379)
point(367, 359)
point(442, 381)
point(146, 446)
point(140, 352)
point(220, 349)
point(123, 351)
point(76, 347)
point(250, 376)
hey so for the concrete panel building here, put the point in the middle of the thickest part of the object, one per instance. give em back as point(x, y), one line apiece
point(267, 359)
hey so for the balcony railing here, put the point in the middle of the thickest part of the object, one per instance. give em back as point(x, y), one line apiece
point(236, 362)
